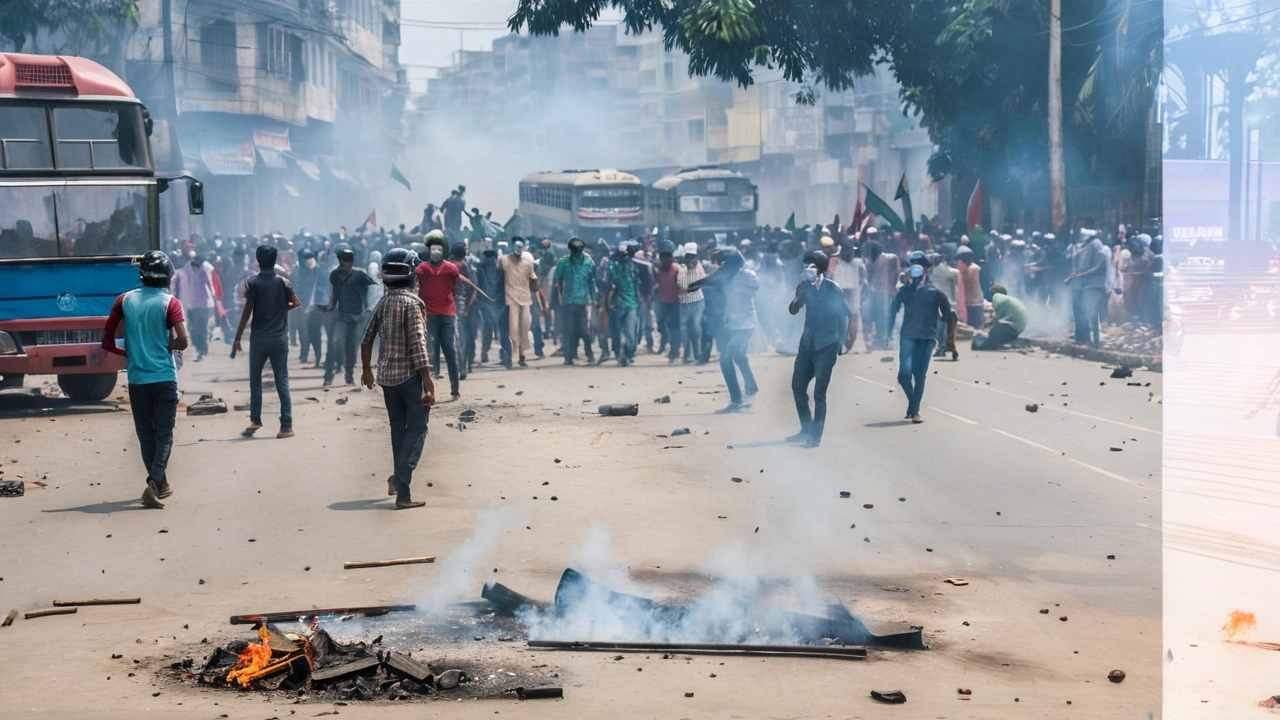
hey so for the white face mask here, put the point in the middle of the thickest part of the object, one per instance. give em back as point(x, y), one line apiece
point(437, 254)
point(811, 274)
point(916, 271)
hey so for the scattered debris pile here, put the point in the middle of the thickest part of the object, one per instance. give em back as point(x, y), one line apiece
point(207, 405)
point(1133, 339)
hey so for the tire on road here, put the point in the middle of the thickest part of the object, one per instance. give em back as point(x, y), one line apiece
point(90, 387)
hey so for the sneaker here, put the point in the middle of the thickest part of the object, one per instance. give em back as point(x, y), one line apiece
point(285, 432)
point(164, 491)
point(732, 407)
point(454, 397)
point(812, 442)
point(916, 419)
point(406, 504)
point(328, 382)
point(568, 362)
point(748, 399)
point(253, 428)
point(522, 362)
point(539, 356)
point(799, 437)
point(954, 356)
point(150, 499)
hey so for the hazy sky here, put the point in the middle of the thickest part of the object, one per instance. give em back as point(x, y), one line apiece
point(432, 30)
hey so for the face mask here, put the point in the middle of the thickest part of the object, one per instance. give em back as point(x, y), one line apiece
point(810, 274)
point(575, 249)
point(437, 254)
point(916, 271)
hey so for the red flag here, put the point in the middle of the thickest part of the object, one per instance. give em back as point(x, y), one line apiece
point(372, 220)
point(973, 216)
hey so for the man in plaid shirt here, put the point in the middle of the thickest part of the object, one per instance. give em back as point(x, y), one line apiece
point(403, 370)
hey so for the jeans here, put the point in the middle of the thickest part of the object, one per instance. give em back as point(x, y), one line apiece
point(440, 336)
point(877, 324)
point(733, 351)
point(342, 346)
point(913, 363)
point(975, 316)
point(155, 409)
point(1087, 305)
point(518, 320)
point(576, 327)
point(277, 351)
point(494, 325)
point(668, 317)
point(816, 366)
point(625, 323)
point(198, 323)
point(1001, 334)
point(535, 324)
point(466, 341)
point(313, 338)
point(691, 329)
point(408, 418)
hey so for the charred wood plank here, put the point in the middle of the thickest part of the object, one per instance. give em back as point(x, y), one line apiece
point(387, 563)
point(820, 651)
point(293, 615)
point(405, 666)
point(51, 611)
point(505, 600)
point(337, 672)
point(97, 601)
point(8, 619)
point(539, 693)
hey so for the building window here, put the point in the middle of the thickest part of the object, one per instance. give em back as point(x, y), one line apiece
point(218, 52)
point(697, 131)
point(279, 60)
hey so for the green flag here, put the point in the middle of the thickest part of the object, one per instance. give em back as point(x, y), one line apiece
point(399, 177)
point(881, 208)
point(791, 223)
point(909, 223)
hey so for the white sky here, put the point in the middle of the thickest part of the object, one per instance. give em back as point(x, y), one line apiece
point(451, 25)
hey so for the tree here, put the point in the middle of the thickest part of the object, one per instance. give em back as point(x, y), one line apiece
point(975, 72)
point(94, 28)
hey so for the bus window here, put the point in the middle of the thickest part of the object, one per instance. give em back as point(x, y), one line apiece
point(103, 220)
point(24, 139)
point(26, 223)
point(99, 138)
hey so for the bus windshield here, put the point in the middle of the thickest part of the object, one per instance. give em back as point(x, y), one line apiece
point(85, 137)
point(610, 199)
point(75, 219)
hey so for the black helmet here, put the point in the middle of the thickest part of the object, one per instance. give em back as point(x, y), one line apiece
point(399, 264)
point(918, 258)
point(155, 265)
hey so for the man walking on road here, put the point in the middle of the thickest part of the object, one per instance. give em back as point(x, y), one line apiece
point(692, 305)
point(193, 286)
point(826, 325)
point(268, 298)
point(623, 301)
point(154, 331)
point(522, 290)
point(399, 321)
point(574, 288)
point(350, 293)
point(737, 286)
point(923, 306)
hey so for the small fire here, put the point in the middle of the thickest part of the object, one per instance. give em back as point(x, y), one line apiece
point(252, 660)
point(1239, 623)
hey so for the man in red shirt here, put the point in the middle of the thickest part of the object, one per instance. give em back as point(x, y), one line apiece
point(436, 280)
point(666, 304)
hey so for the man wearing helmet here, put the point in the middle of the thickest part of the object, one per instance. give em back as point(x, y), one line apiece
point(399, 321)
point(350, 295)
point(154, 330)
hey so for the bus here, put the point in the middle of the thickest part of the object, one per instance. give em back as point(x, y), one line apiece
point(590, 204)
point(703, 203)
point(79, 203)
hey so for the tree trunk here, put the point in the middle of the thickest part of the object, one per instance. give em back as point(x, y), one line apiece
point(1057, 163)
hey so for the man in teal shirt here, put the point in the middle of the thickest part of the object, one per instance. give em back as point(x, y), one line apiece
point(574, 287)
point(154, 331)
point(1010, 322)
point(624, 304)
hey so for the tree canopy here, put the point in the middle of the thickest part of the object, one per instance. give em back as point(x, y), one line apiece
point(975, 72)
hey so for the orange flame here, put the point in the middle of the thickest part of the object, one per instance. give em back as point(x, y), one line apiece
point(253, 659)
point(1239, 623)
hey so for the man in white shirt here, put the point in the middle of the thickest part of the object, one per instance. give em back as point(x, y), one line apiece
point(522, 288)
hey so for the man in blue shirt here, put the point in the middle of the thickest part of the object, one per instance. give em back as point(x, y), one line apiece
point(826, 322)
point(923, 306)
point(154, 331)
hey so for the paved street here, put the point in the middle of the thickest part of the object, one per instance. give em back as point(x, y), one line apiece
point(1025, 506)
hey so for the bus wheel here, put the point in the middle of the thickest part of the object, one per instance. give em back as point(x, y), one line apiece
point(12, 380)
point(88, 388)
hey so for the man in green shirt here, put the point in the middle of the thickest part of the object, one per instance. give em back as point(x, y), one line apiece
point(574, 288)
point(1010, 322)
point(624, 304)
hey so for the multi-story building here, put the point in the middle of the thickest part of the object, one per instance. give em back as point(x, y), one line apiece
point(629, 103)
point(289, 110)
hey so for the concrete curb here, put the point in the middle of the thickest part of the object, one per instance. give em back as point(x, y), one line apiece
point(1154, 363)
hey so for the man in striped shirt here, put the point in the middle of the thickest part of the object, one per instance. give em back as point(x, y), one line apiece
point(692, 305)
point(403, 371)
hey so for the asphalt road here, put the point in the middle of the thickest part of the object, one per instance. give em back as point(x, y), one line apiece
point(1025, 506)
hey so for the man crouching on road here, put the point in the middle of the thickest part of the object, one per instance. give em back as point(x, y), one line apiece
point(403, 370)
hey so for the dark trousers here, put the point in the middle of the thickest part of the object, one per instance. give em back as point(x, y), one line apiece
point(466, 341)
point(277, 351)
point(913, 364)
point(535, 324)
point(198, 324)
point(975, 315)
point(408, 418)
point(1087, 305)
point(313, 338)
point(813, 366)
point(493, 317)
point(1001, 334)
point(440, 336)
point(576, 328)
point(343, 342)
point(733, 352)
point(876, 322)
point(691, 329)
point(668, 319)
point(155, 409)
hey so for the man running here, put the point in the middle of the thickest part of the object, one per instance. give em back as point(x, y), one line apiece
point(826, 325)
point(154, 331)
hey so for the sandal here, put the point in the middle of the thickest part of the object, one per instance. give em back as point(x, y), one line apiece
point(892, 698)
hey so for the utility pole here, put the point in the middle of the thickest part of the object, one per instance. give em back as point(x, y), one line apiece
point(1057, 164)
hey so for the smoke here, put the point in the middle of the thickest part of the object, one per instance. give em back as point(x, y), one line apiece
point(460, 573)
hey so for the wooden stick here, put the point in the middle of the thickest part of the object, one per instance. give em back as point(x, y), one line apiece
point(97, 601)
point(51, 611)
point(295, 614)
point(387, 563)
point(8, 619)
point(820, 651)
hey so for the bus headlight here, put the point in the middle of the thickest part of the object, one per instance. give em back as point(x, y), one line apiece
point(7, 344)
